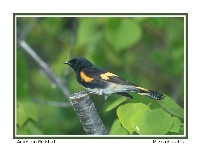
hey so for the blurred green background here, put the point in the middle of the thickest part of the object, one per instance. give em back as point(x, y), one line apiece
point(147, 51)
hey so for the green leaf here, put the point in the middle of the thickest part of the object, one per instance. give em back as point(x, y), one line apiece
point(122, 33)
point(21, 131)
point(176, 125)
point(126, 111)
point(21, 114)
point(32, 129)
point(31, 110)
point(152, 122)
point(115, 103)
point(181, 130)
point(25, 110)
point(117, 129)
point(29, 129)
point(170, 106)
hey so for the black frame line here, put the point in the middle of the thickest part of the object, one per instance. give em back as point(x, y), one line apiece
point(102, 137)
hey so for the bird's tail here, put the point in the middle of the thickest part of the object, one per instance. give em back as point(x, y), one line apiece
point(150, 93)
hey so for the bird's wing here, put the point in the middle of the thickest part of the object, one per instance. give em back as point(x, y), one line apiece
point(96, 77)
point(101, 75)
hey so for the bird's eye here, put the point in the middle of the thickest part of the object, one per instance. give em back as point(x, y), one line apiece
point(76, 62)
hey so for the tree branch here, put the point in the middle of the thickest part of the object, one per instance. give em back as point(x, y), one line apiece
point(45, 68)
point(88, 114)
point(72, 42)
point(29, 27)
point(73, 37)
point(52, 103)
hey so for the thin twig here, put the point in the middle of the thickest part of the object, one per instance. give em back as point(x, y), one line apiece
point(73, 37)
point(45, 68)
point(29, 27)
point(88, 114)
point(72, 42)
point(52, 103)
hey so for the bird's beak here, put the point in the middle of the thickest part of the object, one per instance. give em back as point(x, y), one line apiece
point(67, 62)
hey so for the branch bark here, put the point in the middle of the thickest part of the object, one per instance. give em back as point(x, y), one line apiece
point(88, 114)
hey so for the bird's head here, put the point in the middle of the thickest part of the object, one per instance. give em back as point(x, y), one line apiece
point(79, 63)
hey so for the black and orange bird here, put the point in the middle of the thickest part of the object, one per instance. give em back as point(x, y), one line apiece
point(98, 81)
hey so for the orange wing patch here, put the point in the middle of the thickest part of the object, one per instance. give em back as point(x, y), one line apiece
point(106, 75)
point(85, 78)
